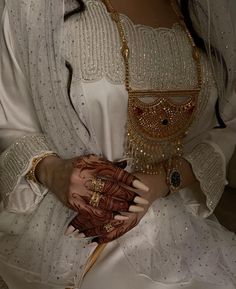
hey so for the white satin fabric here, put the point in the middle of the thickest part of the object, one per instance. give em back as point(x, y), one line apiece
point(17, 114)
point(104, 275)
point(173, 242)
point(107, 115)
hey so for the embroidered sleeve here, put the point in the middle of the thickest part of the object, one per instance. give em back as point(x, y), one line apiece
point(17, 194)
point(209, 167)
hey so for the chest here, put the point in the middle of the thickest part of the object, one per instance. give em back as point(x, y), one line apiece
point(160, 58)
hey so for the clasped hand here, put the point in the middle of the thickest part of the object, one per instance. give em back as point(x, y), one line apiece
point(104, 195)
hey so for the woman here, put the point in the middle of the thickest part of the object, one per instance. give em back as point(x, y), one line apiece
point(65, 87)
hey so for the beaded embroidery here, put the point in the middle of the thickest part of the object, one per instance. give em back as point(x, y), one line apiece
point(150, 125)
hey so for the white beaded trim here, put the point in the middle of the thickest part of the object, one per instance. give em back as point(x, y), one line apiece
point(16, 160)
point(209, 169)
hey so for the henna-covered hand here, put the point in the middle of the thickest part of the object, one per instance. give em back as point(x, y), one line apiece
point(158, 189)
point(112, 195)
point(72, 182)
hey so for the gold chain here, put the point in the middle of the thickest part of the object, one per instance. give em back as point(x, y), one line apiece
point(151, 126)
point(125, 51)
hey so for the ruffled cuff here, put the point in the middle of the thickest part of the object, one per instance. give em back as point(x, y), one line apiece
point(17, 194)
point(209, 167)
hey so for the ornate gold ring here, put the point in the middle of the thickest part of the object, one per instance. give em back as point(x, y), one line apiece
point(108, 227)
point(95, 199)
point(98, 185)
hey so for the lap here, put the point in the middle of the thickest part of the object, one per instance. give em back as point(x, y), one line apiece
point(112, 270)
point(15, 279)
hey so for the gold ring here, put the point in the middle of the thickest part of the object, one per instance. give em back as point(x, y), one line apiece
point(98, 185)
point(108, 227)
point(95, 199)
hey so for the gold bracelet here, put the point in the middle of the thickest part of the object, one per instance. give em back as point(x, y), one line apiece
point(30, 176)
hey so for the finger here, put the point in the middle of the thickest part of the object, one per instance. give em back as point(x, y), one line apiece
point(121, 217)
point(101, 167)
point(113, 189)
point(70, 230)
point(137, 184)
point(119, 230)
point(141, 201)
point(79, 235)
point(111, 204)
point(136, 209)
point(106, 168)
point(123, 176)
point(115, 173)
point(90, 217)
point(126, 178)
point(103, 229)
point(108, 203)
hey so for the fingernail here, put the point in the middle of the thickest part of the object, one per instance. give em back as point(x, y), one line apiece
point(139, 185)
point(69, 230)
point(121, 218)
point(136, 209)
point(141, 201)
point(80, 236)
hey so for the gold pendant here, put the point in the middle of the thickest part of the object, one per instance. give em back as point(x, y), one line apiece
point(155, 130)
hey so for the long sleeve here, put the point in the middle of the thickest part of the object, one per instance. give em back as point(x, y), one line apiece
point(20, 136)
point(209, 159)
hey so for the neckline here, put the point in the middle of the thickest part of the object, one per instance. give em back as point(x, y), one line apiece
point(138, 25)
point(160, 28)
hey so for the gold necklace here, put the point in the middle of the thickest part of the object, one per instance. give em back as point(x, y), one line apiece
point(155, 131)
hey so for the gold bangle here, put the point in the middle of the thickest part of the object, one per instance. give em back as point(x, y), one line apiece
point(30, 176)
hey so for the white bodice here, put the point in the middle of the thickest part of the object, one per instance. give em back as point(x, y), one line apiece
point(161, 58)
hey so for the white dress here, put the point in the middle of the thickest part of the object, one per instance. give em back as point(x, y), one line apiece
point(178, 244)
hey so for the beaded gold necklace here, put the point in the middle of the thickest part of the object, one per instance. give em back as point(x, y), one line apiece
point(155, 131)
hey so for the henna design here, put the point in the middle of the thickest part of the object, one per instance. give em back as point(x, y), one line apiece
point(102, 231)
point(88, 168)
point(114, 197)
point(96, 227)
point(110, 204)
point(114, 190)
point(120, 228)
point(118, 232)
point(90, 217)
point(102, 168)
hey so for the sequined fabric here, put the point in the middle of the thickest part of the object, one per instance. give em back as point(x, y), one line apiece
point(14, 164)
point(172, 238)
point(161, 58)
point(209, 171)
